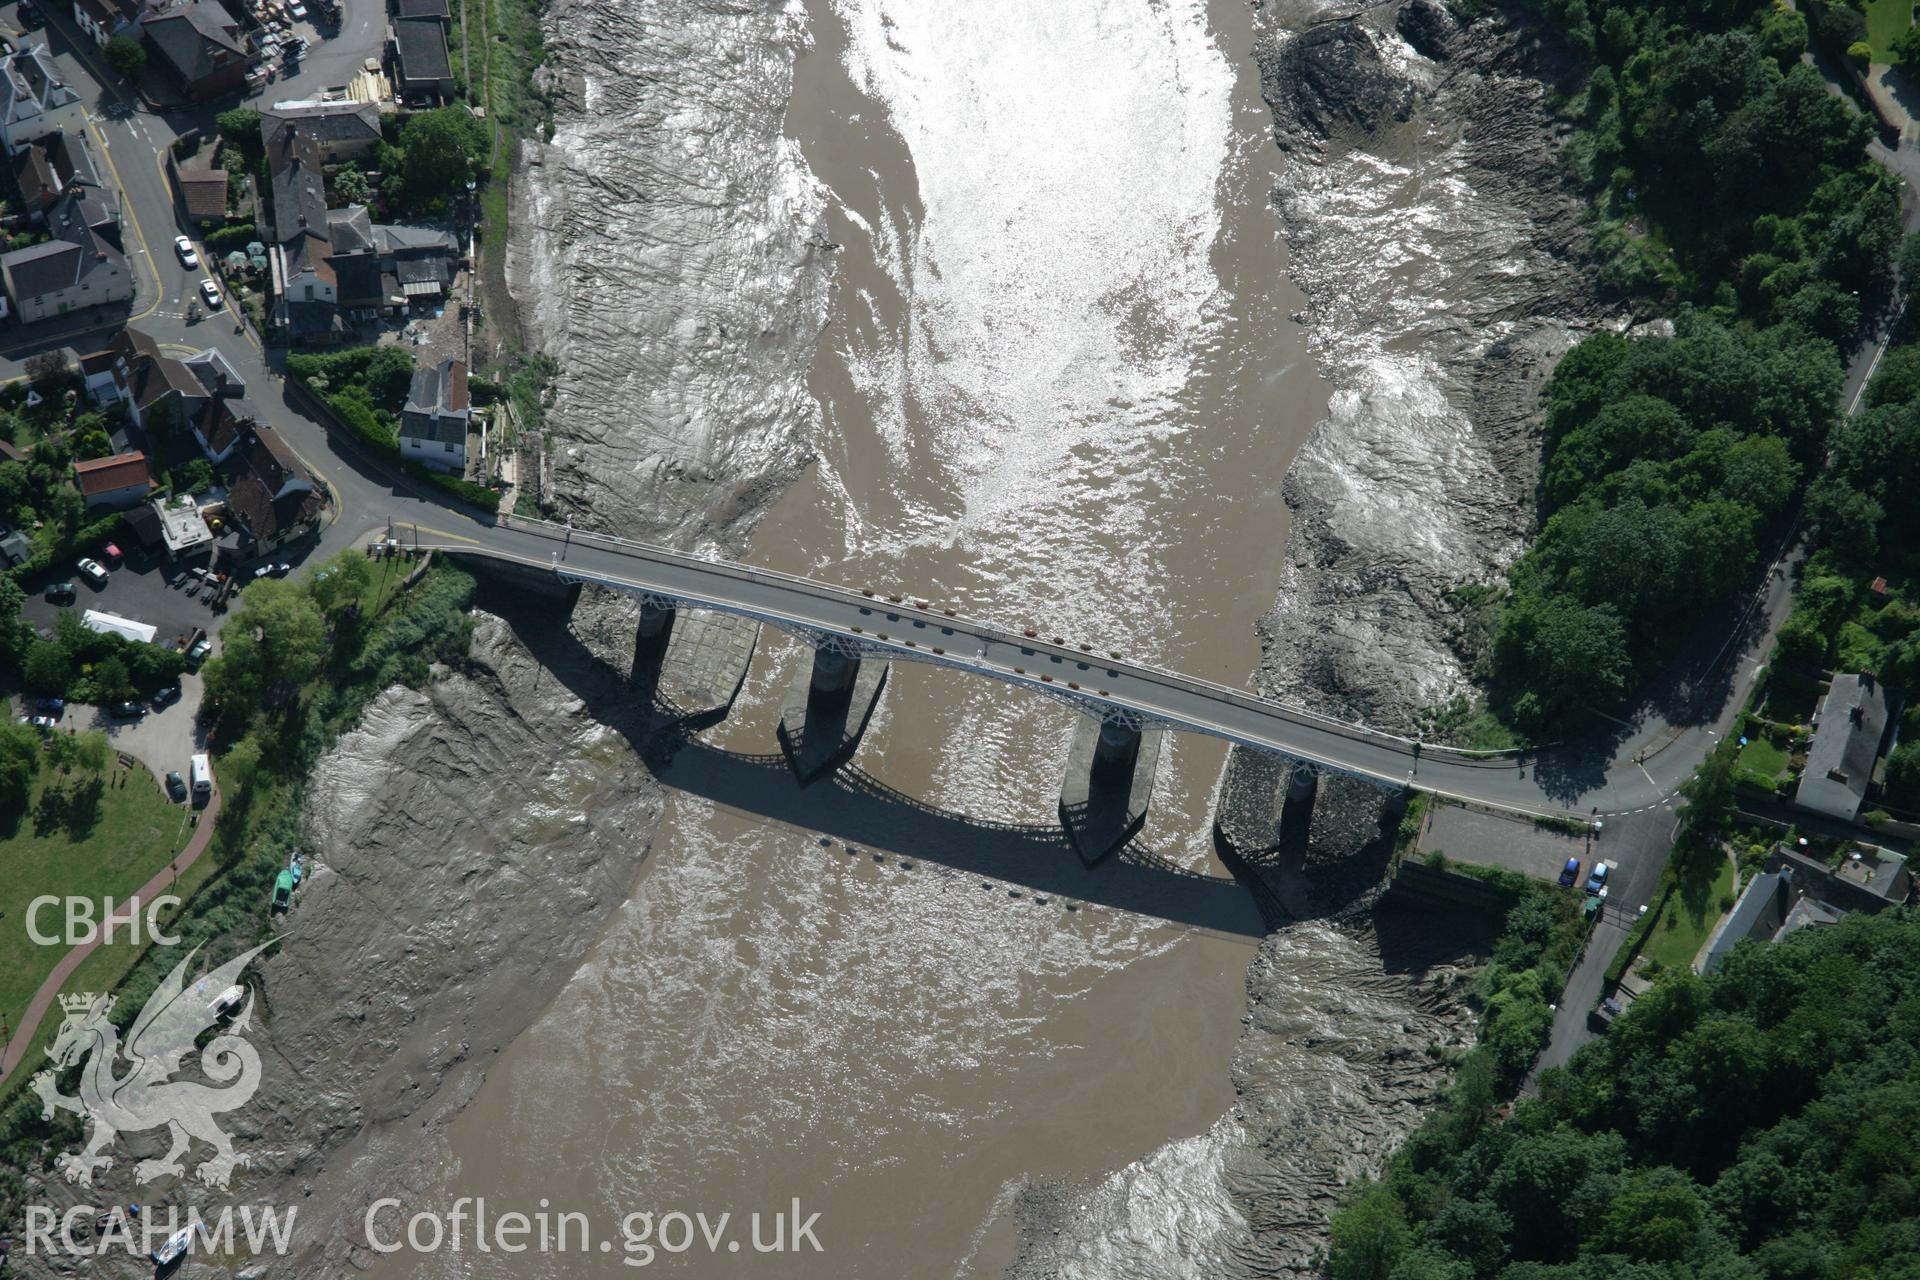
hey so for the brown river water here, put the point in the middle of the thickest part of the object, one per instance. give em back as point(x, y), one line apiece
point(1059, 386)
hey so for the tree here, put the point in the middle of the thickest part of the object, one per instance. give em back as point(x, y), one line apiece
point(389, 373)
point(1760, 472)
point(240, 129)
point(340, 582)
point(48, 667)
point(1564, 653)
point(126, 56)
point(1368, 1236)
point(1903, 776)
point(91, 751)
point(19, 761)
point(48, 369)
point(111, 682)
point(1906, 50)
point(441, 151)
point(272, 645)
point(1783, 37)
point(1710, 791)
point(1475, 1231)
point(351, 185)
point(1656, 1217)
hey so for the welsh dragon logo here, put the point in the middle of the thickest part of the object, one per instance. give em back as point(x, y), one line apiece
point(144, 1097)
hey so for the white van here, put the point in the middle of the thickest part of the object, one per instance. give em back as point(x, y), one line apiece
point(201, 777)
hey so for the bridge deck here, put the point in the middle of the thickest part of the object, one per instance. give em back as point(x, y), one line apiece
point(1105, 686)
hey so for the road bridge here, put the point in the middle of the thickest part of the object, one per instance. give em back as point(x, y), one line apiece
point(1124, 695)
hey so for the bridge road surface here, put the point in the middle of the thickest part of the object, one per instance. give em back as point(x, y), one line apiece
point(1160, 698)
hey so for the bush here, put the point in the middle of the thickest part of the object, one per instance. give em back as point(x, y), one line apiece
point(224, 240)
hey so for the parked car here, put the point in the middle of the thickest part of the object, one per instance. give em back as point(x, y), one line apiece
point(112, 555)
point(282, 891)
point(227, 1001)
point(45, 724)
point(184, 247)
point(1597, 882)
point(126, 711)
point(30, 17)
point(1570, 874)
point(197, 654)
point(60, 593)
point(95, 571)
point(210, 292)
point(55, 707)
point(166, 696)
point(176, 785)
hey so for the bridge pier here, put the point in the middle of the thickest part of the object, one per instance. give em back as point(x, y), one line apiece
point(1107, 786)
point(703, 661)
point(653, 633)
point(826, 709)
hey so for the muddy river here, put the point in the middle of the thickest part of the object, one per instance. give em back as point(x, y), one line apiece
point(1058, 386)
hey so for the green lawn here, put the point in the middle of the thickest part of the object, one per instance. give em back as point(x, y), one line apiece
point(1762, 756)
point(1689, 917)
point(87, 850)
point(1885, 20)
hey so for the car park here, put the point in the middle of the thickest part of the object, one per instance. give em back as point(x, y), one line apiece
point(95, 572)
point(176, 785)
point(184, 247)
point(1570, 874)
point(210, 293)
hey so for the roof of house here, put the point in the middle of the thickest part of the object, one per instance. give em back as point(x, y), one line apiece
point(212, 370)
point(264, 516)
point(196, 38)
point(422, 9)
point(105, 475)
point(204, 191)
point(400, 240)
point(259, 496)
point(313, 319)
point(33, 172)
point(1853, 719)
point(351, 229)
point(299, 187)
point(222, 422)
point(69, 157)
point(149, 374)
point(330, 124)
point(31, 85)
point(16, 548)
point(41, 269)
point(422, 43)
point(1761, 911)
point(437, 402)
point(76, 251)
point(108, 15)
point(307, 251)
